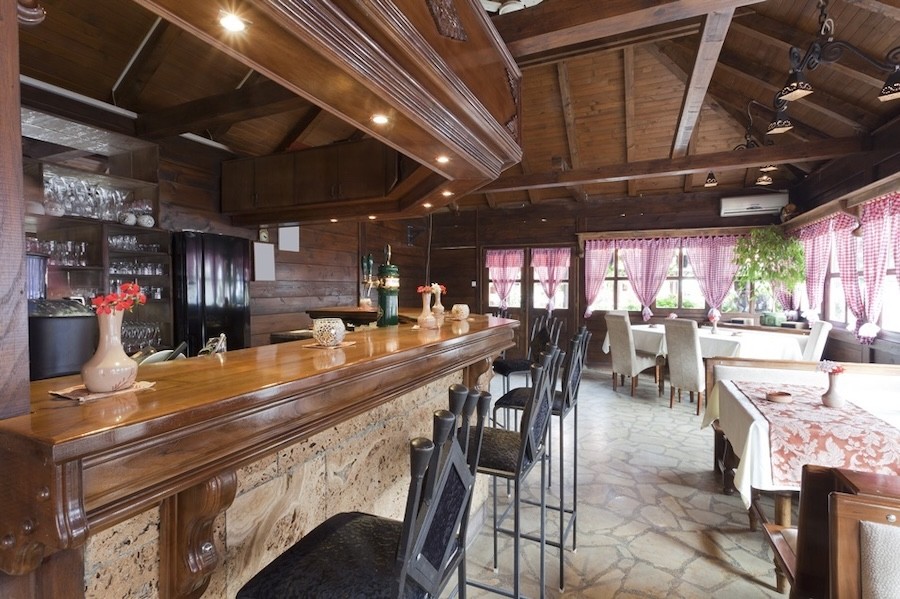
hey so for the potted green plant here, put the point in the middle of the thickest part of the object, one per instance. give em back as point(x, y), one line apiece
point(768, 256)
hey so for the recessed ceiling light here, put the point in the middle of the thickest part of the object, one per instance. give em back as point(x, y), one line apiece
point(427, 204)
point(371, 217)
point(379, 119)
point(443, 159)
point(231, 22)
point(334, 220)
point(446, 193)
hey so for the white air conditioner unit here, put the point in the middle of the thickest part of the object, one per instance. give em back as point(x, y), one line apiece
point(770, 203)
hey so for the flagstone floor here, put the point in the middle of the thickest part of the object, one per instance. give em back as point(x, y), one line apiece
point(652, 520)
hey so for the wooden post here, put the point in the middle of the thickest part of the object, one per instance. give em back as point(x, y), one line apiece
point(14, 396)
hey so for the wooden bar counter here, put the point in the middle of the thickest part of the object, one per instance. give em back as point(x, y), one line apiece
point(71, 471)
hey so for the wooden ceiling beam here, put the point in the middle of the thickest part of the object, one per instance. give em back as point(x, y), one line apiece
point(561, 23)
point(299, 128)
point(144, 64)
point(562, 76)
point(628, 76)
point(702, 163)
point(680, 58)
point(778, 34)
point(714, 30)
point(248, 102)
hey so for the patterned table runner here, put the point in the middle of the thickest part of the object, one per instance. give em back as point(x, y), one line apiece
point(806, 432)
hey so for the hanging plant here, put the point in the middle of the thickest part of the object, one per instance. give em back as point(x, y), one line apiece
point(768, 256)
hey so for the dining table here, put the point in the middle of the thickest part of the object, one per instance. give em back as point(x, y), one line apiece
point(773, 439)
point(722, 342)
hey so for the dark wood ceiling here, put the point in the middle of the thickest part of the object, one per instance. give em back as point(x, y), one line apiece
point(621, 98)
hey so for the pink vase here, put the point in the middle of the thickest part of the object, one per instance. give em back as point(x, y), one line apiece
point(110, 368)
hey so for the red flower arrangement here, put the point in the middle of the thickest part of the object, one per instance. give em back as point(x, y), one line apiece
point(830, 367)
point(128, 295)
point(433, 288)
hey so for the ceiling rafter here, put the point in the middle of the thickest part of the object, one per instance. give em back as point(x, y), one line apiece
point(299, 128)
point(565, 97)
point(701, 163)
point(714, 30)
point(242, 104)
point(849, 115)
point(778, 34)
point(563, 23)
point(628, 76)
point(888, 9)
point(144, 64)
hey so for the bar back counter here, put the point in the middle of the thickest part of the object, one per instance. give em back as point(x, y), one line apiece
point(190, 487)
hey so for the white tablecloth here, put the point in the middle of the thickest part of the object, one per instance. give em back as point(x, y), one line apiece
point(723, 343)
point(748, 431)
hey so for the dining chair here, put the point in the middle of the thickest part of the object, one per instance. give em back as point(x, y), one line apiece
point(353, 554)
point(686, 372)
point(815, 344)
point(626, 360)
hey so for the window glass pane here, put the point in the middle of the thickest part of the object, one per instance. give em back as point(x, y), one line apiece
point(560, 300)
point(834, 261)
point(668, 294)
point(890, 312)
point(691, 296)
point(627, 299)
point(686, 269)
point(673, 265)
point(515, 296)
point(620, 266)
point(837, 305)
point(605, 301)
point(736, 300)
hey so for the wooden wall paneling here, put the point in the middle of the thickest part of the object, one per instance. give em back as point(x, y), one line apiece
point(456, 269)
point(322, 273)
point(454, 229)
point(14, 399)
point(410, 259)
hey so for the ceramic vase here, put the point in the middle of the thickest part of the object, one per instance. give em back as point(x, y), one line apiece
point(832, 397)
point(426, 319)
point(329, 332)
point(110, 368)
point(437, 309)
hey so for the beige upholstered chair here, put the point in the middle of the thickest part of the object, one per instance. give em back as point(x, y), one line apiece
point(686, 372)
point(815, 345)
point(626, 360)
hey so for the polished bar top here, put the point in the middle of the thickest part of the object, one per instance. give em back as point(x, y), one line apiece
point(79, 466)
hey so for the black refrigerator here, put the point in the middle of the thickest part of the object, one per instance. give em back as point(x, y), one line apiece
point(211, 289)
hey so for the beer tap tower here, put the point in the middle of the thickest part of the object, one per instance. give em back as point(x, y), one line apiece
point(388, 284)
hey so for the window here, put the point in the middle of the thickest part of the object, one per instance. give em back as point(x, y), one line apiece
point(681, 289)
point(836, 304)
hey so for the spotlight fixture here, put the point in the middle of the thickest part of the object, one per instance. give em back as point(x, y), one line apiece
point(710, 180)
point(442, 159)
point(826, 50)
point(764, 180)
point(446, 193)
point(231, 22)
point(768, 168)
point(379, 119)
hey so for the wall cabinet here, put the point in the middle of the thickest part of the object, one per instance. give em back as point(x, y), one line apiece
point(345, 171)
point(87, 258)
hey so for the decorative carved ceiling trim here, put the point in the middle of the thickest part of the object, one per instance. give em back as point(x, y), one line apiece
point(447, 20)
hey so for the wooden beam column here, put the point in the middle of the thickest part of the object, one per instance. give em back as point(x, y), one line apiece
point(14, 399)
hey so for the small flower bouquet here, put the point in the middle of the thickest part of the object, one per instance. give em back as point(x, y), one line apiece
point(128, 295)
point(830, 367)
point(433, 288)
point(423, 289)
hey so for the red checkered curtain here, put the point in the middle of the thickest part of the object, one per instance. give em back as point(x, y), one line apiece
point(646, 264)
point(597, 254)
point(504, 269)
point(894, 199)
point(551, 266)
point(712, 259)
point(864, 303)
point(816, 241)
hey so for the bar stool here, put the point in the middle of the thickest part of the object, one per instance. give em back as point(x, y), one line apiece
point(360, 555)
point(544, 330)
point(565, 402)
point(512, 456)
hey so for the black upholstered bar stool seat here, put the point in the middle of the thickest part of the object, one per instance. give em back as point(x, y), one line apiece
point(354, 555)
